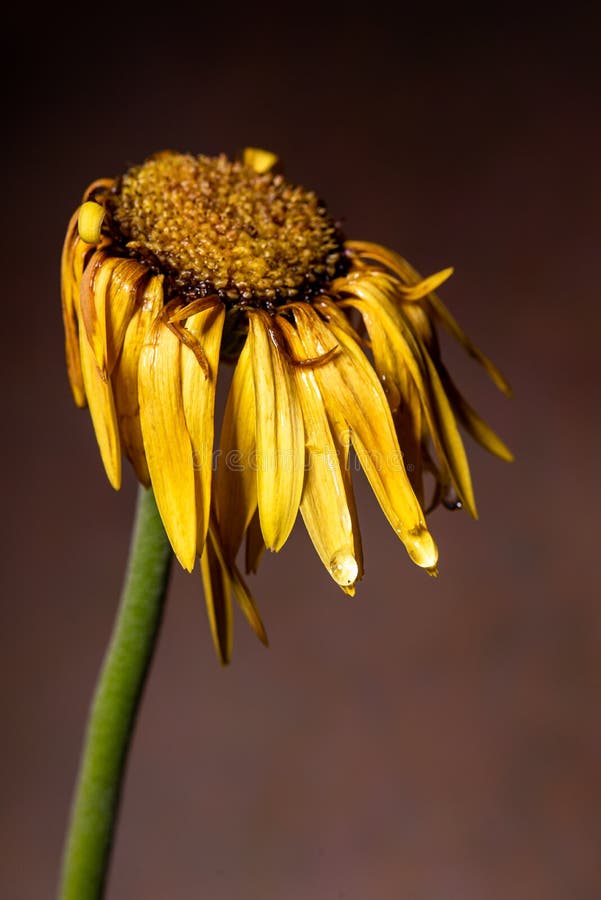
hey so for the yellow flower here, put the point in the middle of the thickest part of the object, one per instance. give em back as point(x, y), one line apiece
point(185, 262)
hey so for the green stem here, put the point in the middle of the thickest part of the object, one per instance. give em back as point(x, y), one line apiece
point(113, 713)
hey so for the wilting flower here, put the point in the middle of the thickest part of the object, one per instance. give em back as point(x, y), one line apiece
point(186, 262)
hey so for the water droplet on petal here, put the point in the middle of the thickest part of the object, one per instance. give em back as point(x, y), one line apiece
point(343, 567)
point(450, 499)
point(392, 393)
point(421, 547)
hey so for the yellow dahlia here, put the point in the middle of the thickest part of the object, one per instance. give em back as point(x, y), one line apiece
point(186, 262)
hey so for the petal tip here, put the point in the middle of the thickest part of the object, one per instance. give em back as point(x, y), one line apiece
point(421, 547)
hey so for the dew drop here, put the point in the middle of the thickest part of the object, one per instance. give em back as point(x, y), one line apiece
point(421, 547)
point(392, 393)
point(450, 500)
point(343, 567)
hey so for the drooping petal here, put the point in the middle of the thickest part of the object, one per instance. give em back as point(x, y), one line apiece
point(124, 293)
point(94, 302)
point(280, 438)
point(405, 271)
point(473, 423)
point(450, 438)
point(247, 604)
point(198, 394)
point(70, 306)
point(395, 352)
point(101, 403)
point(218, 599)
point(354, 398)
point(453, 327)
point(398, 350)
point(242, 594)
point(125, 376)
point(166, 440)
point(343, 451)
point(408, 425)
point(399, 368)
point(236, 479)
point(324, 505)
point(255, 545)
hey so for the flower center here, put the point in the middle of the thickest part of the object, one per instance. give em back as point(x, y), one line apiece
point(218, 227)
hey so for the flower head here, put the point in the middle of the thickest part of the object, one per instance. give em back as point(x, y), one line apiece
point(185, 263)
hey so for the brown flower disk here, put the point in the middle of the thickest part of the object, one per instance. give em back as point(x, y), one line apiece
point(216, 226)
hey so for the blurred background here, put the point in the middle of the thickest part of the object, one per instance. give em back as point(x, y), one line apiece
point(429, 739)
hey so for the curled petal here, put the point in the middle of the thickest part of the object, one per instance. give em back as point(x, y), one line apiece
point(72, 259)
point(94, 304)
point(125, 293)
point(89, 221)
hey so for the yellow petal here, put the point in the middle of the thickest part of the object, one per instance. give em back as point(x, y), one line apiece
point(238, 585)
point(125, 293)
point(99, 394)
point(198, 393)
point(95, 303)
point(406, 271)
point(396, 345)
point(353, 396)
point(125, 376)
point(236, 478)
point(397, 361)
point(246, 603)
point(218, 599)
point(260, 160)
point(453, 327)
point(166, 441)
point(450, 437)
point(416, 290)
point(72, 250)
point(324, 505)
point(89, 221)
point(408, 425)
point(343, 449)
point(395, 350)
point(100, 185)
point(472, 422)
point(280, 439)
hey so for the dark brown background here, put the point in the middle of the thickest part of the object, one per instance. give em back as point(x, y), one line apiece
point(429, 739)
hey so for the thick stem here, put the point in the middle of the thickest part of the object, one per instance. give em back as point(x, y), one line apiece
point(113, 713)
